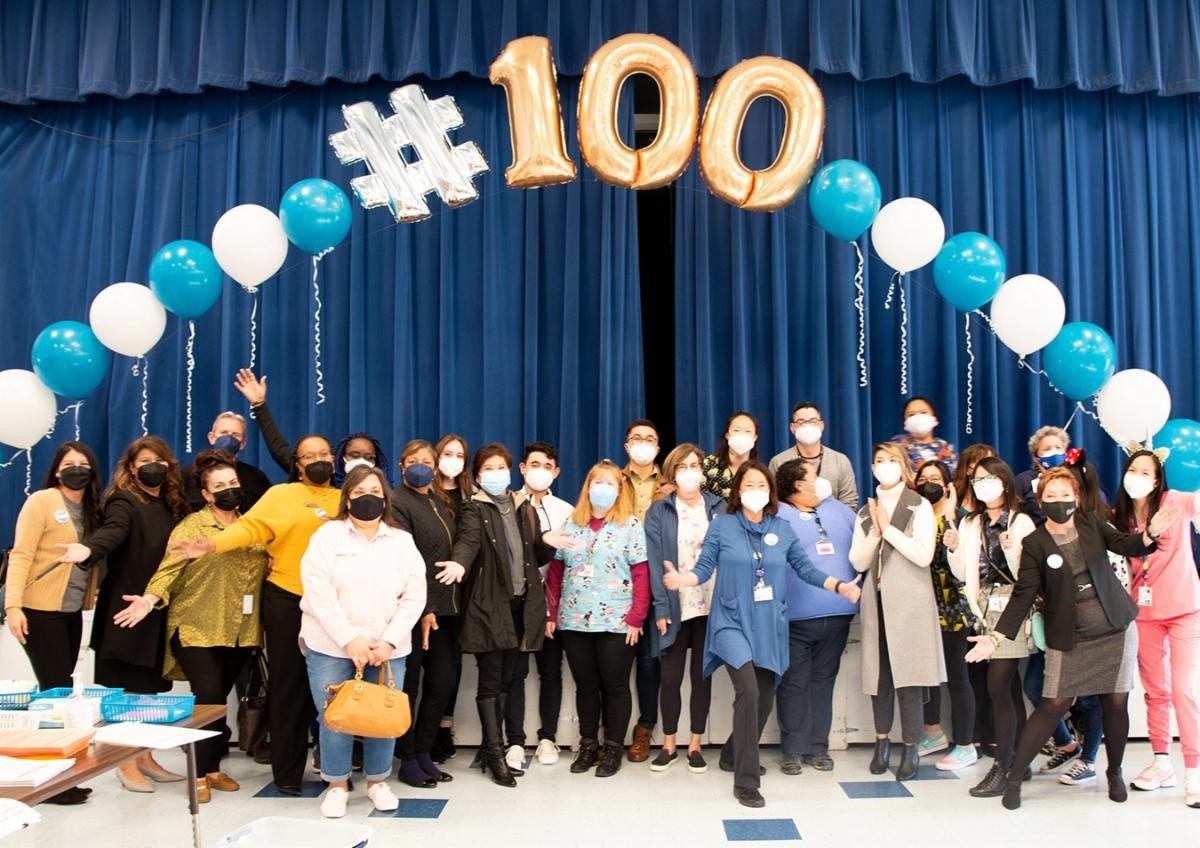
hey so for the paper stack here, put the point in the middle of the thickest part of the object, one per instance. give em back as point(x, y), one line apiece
point(28, 774)
point(44, 743)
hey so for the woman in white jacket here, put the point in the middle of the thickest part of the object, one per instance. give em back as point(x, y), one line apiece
point(987, 558)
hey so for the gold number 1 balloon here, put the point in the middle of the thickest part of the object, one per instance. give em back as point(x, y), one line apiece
point(599, 93)
point(776, 186)
point(526, 71)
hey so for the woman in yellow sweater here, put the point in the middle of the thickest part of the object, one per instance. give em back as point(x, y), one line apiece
point(283, 521)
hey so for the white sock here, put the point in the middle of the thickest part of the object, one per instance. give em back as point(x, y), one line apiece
point(1193, 773)
point(1162, 761)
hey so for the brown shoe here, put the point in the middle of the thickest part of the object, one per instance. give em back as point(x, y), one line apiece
point(639, 751)
point(203, 790)
point(222, 782)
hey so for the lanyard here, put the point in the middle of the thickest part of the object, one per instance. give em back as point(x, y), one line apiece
point(757, 555)
point(1145, 572)
point(821, 535)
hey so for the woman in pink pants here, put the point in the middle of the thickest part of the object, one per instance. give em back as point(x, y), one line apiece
point(1166, 589)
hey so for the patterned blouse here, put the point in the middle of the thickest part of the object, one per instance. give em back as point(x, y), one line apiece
point(694, 601)
point(920, 452)
point(954, 613)
point(597, 586)
point(718, 479)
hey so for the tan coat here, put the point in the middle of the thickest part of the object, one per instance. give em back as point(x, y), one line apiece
point(43, 523)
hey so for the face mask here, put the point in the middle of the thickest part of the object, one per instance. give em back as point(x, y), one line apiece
point(229, 444)
point(987, 491)
point(642, 453)
point(1053, 459)
point(1137, 486)
point(932, 492)
point(741, 443)
point(887, 472)
point(602, 495)
point(1059, 512)
point(418, 475)
point(450, 466)
point(808, 435)
point(228, 499)
point(755, 500)
point(350, 464)
point(367, 507)
point(921, 424)
point(75, 477)
point(539, 479)
point(689, 480)
point(495, 482)
point(319, 472)
point(824, 488)
point(152, 474)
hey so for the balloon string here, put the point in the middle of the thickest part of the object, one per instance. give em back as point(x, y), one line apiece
point(69, 408)
point(317, 330)
point(13, 458)
point(145, 369)
point(903, 340)
point(253, 326)
point(859, 303)
point(970, 373)
point(28, 471)
point(887, 304)
point(191, 367)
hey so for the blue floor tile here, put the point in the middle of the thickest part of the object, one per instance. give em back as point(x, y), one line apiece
point(415, 808)
point(932, 773)
point(760, 830)
point(876, 789)
point(308, 789)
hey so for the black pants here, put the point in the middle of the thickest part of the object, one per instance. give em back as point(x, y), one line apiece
point(52, 646)
point(985, 725)
point(496, 668)
point(212, 673)
point(600, 663)
point(958, 683)
point(429, 673)
point(649, 678)
point(690, 637)
point(549, 666)
point(290, 710)
point(1008, 707)
point(753, 695)
point(883, 703)
point(805, 696)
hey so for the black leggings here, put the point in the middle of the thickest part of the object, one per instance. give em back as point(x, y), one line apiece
point(212, 673)
point(690, 636)
point(600, 663)
point(52, 646)
point(1008, 708)
point(883, 703)
point(431, 673)
point(962, 696)
point(1047, 715)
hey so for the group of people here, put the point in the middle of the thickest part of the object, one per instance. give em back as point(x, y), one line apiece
point(958, 569)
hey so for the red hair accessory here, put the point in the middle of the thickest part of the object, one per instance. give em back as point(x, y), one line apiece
point(1076, 457)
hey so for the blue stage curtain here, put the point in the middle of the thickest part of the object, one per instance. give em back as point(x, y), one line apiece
point(64, 50)
point(511, 318)
point(1099, 192)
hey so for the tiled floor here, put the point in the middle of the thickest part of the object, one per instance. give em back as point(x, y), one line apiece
point(637, 807)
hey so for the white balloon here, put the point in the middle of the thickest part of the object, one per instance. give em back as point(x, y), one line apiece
point(908, 233)
point(1133, 405)
point(28, 411)
point(250, 244)
point(1027, 313)
point(127, 318)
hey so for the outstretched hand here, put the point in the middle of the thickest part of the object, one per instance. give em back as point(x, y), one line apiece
point(252, 388)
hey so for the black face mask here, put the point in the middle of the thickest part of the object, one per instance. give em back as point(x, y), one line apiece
point(319, 472)
point(75, 477)
point(367, 507)
point(1059, 512)
point(152, 474)
point(932, 492)
point(228, 499)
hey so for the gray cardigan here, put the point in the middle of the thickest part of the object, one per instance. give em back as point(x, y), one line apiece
point(835, 467)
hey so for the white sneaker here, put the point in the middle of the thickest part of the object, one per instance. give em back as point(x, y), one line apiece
point(515, 758)
point(1191, 788)
point(1154, 777)
point(333, 805)
point(546, 753)
point(382, 797)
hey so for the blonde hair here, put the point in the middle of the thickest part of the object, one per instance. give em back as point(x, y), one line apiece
point(894, 451)
point(621, 511)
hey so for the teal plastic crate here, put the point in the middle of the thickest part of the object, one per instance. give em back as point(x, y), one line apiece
point(154, 709)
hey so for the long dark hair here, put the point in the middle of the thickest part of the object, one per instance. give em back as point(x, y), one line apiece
point(91, 494)
point(723, 443)
point(123, 479)
point(999, 469)
point(967, 460)
point(381, 460)
point(465, 480)
point(357, 474)
point(1090, 500)
point(294, 474)
point(1124, 515)
point(735, 495)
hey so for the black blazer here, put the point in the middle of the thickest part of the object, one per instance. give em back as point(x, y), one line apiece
point(1057, 585)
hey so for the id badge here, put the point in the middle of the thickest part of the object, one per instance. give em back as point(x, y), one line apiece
point(247, 604)
point(825, 548)
point(762, 593)
point(997, 603)
point(1144, 596)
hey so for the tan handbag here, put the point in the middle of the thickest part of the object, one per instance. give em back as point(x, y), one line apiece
point(375, 710)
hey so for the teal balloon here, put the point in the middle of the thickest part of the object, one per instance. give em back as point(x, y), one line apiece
point(969, 270)
point(1182, 436)
point(185, 277)
point(316, 215)
point(844, 197)
point(1080, 359)
point(70, 360)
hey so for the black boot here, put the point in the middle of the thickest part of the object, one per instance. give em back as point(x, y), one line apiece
point(501, 703)
point(908, 763)
point(443, 745)
point(883, 754)
point(1012, 794)
point(1117, 790)
point(491, 755)
point(992, 784)
point(610, 760)
point(588, 753)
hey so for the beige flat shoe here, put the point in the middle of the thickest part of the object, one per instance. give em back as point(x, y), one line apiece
point(134, 785)
point(159, 774)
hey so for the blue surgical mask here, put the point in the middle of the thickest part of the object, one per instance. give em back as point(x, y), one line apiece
point(229, 444)
point(495, 482)
point(418, 475)
point(1052, 460)
point(602, 495)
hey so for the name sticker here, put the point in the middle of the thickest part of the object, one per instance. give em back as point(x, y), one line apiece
point(321, 513)
point(771, 539)
point(1054, 561)
point(61, 516)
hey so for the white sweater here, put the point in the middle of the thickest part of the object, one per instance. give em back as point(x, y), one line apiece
point(964, 559)
point(918, 548)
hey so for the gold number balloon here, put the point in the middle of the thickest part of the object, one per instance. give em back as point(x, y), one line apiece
point(527, 73)
point(776, 186)
point(599, 93)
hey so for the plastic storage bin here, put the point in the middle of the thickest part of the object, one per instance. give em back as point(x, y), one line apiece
point(155, 709)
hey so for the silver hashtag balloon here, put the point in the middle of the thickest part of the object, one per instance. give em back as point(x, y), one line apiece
point(419, 123)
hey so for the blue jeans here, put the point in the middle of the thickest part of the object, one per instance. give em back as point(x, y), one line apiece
point(324, 670)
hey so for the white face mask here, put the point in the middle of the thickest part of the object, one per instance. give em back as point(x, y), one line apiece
point(987, 491)
point(808, 434)
point(351, 464)
point(824, 488)
point(741, 443)
point(755, 499)
point(450, 466)
point(642, 453)
point(921, 424)
point(689, 480)
point(1137, 486)
point(887, 472)
point(539, 479)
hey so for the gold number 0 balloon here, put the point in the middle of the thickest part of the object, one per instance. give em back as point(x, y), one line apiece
point(777, 186)
point(599, 93)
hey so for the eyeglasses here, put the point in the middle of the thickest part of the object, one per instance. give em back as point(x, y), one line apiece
point(987, 479)
point(643, 440)
point(808, 422)
point(315, 456)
